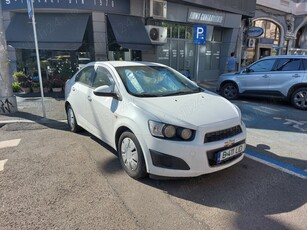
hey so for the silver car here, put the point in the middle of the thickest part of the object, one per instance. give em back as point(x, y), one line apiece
point(283, 76)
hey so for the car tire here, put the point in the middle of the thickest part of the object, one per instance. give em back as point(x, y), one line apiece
point(299, 98)
point(131, 156)
point(230, 91)
point(71, 120)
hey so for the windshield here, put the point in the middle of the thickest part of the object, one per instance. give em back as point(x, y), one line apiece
point(151, 81)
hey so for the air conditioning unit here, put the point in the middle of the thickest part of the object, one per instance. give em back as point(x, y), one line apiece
point(158, 9)
point(157, 34)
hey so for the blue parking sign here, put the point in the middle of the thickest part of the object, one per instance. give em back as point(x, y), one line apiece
point(200, 35)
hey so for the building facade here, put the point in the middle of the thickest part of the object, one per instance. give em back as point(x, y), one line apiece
point(78, 31)
point(284, 23)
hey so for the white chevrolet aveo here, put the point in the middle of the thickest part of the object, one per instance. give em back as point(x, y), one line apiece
point(160, 122)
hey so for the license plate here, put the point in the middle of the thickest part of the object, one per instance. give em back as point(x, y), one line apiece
point(227, 153)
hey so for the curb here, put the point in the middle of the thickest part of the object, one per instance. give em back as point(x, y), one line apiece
point(42, 121)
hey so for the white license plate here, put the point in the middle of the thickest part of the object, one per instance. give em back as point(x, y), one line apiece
point(227, 153)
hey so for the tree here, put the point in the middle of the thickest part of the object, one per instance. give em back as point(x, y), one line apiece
point(8, 102)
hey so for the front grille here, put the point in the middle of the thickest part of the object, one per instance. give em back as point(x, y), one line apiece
point(222, 134)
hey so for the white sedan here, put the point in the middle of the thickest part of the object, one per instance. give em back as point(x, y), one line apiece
point(160, 122)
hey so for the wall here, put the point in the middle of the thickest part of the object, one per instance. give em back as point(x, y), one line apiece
point(243, 7)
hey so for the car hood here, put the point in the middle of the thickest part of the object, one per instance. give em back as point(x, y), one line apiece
point(193, 109)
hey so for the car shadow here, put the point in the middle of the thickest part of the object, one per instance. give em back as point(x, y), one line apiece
point(31, 121)
point(251, 190)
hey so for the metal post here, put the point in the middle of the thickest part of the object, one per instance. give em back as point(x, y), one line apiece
point(197, 64)
point(38, 61)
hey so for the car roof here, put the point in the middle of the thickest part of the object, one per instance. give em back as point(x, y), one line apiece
point(127, 63)
point(286, 56)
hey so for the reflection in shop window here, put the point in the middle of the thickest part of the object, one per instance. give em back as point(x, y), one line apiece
point(174, 31)
point(182, 31)
point(189, 32)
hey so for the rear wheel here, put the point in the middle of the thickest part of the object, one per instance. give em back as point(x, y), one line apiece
point(131, 156)
point(71, 120)
point(230, 91)
point(299, 98)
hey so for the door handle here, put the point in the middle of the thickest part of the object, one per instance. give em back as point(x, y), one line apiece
point(296, 75)
point(89, 98)
point(265, 76)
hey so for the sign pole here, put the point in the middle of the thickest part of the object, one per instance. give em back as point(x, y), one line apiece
point(199, 38)
point(32, 15)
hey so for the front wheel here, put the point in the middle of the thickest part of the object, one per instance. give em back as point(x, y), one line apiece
point(230, 91)
point(71, 120)
point(131, 156)
point(299, 98)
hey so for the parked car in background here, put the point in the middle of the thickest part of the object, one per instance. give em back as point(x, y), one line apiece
point(283, 76)
point(160, 122)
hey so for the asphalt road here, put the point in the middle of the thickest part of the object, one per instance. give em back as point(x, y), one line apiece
point(51, 178)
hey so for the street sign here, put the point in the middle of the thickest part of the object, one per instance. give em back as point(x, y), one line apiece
point(200, 35)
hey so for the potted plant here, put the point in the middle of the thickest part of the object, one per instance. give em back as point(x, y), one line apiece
point(46, 85)
point(16, 87)
point(35, 87)
point(23, 80)
point(57, 84)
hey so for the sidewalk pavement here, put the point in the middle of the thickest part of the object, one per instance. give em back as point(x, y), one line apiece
point(30, 109)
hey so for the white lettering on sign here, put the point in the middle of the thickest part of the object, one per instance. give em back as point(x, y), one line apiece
point(205, 17)
point(199, 32)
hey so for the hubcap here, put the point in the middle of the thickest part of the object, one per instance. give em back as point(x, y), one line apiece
point(230, 91)
point(71, 118)
point(300, 99)
point(129, 154)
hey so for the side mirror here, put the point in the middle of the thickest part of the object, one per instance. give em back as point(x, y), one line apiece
point(105, 91)
point(246, 70)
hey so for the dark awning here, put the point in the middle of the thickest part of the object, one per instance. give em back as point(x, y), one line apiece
point(54, 31)
point(128, 32)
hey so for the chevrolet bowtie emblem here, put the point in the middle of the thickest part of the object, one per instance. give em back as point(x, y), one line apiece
point(229, 143)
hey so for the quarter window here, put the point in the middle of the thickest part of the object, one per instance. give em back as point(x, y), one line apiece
point(103, 77)
point(289, 65)
point(85, 75)
point(263, 66)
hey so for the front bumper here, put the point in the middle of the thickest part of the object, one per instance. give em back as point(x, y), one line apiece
point(194, 158)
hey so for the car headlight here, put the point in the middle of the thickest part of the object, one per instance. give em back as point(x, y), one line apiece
point(185, 134)
point(158, 129)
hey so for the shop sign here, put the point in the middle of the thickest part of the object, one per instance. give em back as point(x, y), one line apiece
point(110, 6)
point(254, 32)
point(205, 17)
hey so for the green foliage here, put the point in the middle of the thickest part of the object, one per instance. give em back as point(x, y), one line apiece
point(22, 79)
point(63, 68)
point(19, 76)
point(57, 83)
point(16, 86)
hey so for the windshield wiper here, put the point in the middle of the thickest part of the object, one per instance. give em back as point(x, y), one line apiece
point(147, 95)
point(182, 92)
